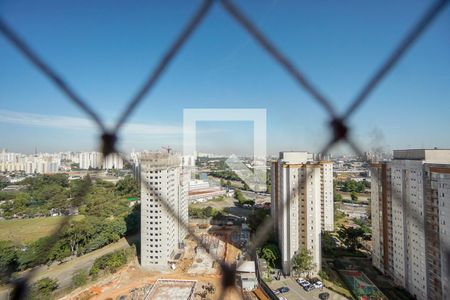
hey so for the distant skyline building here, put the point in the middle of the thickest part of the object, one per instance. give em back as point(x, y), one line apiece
point(95, 160)
point(113, 161)
point(162, 178)
point(91, 160)
point(302, 204)
point(49, 163)
point(43, 163)
point(410, 207)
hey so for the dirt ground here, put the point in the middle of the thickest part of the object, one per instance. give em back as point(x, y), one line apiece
point(134, 277)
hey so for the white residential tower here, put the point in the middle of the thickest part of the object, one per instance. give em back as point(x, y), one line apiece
point(302, 204)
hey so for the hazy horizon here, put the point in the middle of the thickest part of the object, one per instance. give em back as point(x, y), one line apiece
point(106, 54)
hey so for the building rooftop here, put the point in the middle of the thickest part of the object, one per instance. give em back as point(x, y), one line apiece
point(160, 159)
point(295, 157)
point(437, 156)
point(247, 267)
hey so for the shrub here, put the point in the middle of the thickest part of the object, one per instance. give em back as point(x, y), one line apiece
point(80, 278)
point(110, 262)
point(43, 288)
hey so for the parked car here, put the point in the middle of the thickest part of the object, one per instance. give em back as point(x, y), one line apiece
point(324, 296)
point(281, 298)
point(318, 284)
point(308, 287)
point(276, 292)
point(283, 289)
point(303, 282)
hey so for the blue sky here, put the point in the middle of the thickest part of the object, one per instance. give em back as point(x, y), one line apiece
point(105, 49)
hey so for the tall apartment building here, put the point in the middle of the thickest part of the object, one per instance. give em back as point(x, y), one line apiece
point(113, 161)
point(410, 205)
point(162, 178)
point(92, 160)
point(95, 160)
point(43, 163)
point(302, 204)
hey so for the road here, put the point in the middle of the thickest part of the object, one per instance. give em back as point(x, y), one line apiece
point(297, 292)
point(64, 272)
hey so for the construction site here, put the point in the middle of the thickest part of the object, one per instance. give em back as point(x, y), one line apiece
point(197, 272)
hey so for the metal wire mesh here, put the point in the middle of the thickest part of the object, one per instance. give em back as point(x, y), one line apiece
point(338, 123)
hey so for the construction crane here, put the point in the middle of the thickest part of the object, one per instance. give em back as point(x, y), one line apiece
point(167, 148)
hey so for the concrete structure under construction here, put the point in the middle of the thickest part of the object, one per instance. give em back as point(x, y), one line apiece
point(164, 207)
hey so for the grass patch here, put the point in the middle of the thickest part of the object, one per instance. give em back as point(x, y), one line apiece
point(333, 281)
point(335, 286)
point(28, 230)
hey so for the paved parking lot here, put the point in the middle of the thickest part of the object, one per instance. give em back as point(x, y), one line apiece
point(297, 292)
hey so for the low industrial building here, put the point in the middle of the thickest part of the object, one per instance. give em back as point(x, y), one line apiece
point(246, 274)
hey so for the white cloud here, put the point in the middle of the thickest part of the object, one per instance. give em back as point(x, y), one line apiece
point(76, 123)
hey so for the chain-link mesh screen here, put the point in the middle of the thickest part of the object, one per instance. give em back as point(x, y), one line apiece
point(338, 122)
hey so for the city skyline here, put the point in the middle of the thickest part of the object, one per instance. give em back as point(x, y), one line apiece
point(225, 149)
point(222, 67)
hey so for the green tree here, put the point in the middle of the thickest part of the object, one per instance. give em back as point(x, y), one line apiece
point(43, 288)
point(104, 203)
point(59, 251)
point(324, 275)
point(302, 261)
point(364, 225)
point(360, 187)
point(79, 189)
point(351, 236)
point(337, 197)
point(352, 186)
point(76, 234)
point(366, 183)
point(3, 183)
point(210, 211)
point(202, 213)
point(257, 217)
point(8, 260)
point(271, 254)
point(133, 219)
point(239, 196)
point(128, 187)
point(328, 243)
point(354, 196)
point(107, 231)
point(110, 262)
point(35, 253)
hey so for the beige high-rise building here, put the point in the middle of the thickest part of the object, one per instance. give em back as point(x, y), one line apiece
point(162, 179)
point(302, 204)
point(410, 206)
